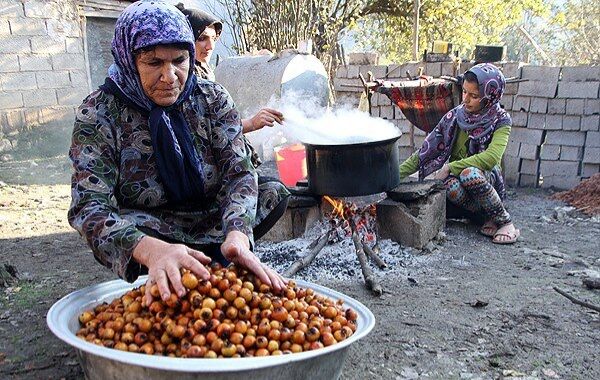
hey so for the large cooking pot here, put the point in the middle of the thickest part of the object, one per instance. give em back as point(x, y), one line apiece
point(350, 170)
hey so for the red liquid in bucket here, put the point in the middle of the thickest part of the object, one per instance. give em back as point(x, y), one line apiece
point(291, 163)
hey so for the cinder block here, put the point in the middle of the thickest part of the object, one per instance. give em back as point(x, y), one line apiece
point(4, 28)
point(565, 138)
point(571, 123)
point(592, 139)
point(42, 9)
point(592, 107)
point(387, 112)
point(464, 66)
point(510, 169)
point(575, 106)
point(539, 105)
point(590, 123)
point(293, 224)
point(530, 167)
point(536, 121)
point(550, 152)
point(378, 71)
point(528, 180)
point(68, 62)
point(341, 72)
point(11, 9)
point(545, 89)
point(47, 45)
point(519, 118)
point(521, 103)
point(78, 78)
point(75, 45)
point(9, 63)
point(53, 79)
point(33, 117)
point(402, 125)
point(526, 135)
point(15, 120)
point(28, 27)
point(507, 102)
point(63, 27)
point(414, 223)
point(17, 81)
point(347, 98)
point(40, 98)
point(591, 155)
point(363, 58)
point(553, 122)
point(10, 100)
point(559, 168)
point(511, 88)
point(34, 62)
point(512, 69)
point(578, 90)
point(580, 73)
point(71, 96)
point(557, 106)
point(589, 170)
point(353, 71)
point(405, 152)
point(529, 151)
point(560, 182)
point(448, 68)
point(399, 71)
point(433, 69)
point(512, 148)
point(50, 114)
point(347, 85)
point(15, 45)
point(540, 73)
point(570, 153)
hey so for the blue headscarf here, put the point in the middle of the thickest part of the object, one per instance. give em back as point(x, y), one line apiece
point(145, 24)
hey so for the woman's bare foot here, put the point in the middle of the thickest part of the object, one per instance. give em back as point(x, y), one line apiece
point(506, 234)
point(489, 228)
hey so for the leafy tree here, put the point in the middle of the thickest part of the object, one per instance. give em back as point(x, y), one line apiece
point(580, 24)
point(464, 23)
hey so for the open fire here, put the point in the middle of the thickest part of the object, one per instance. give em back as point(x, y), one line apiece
point(348, 219)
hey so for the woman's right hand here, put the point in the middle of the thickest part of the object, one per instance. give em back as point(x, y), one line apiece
point(164, 262)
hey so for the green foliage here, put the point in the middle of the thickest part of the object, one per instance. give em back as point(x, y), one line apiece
point(579, 21)
point(464, 23)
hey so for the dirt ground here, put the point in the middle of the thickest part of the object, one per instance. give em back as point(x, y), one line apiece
point(429, 321)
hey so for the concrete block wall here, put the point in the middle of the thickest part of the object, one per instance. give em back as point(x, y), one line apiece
point(555, 139)
point(42, 74)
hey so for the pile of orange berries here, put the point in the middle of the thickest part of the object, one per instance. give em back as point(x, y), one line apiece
point(233, 314)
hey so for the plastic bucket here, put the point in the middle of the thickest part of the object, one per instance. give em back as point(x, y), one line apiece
point(291, 163)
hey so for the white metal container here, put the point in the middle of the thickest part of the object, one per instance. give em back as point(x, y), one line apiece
point(105, 363)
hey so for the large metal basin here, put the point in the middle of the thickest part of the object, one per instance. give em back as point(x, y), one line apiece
point(104, 363)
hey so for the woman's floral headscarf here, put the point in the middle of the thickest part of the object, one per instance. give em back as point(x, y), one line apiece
point(146, 24)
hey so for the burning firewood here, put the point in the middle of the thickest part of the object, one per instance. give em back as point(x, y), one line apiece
point(305, 261)
point(371, 253)
point(370, 280)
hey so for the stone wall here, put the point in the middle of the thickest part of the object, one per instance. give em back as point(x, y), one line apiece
point(555, 140)
point(42, 75)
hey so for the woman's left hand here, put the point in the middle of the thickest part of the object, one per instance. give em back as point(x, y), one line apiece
point(236, 248)
point(443, 173)
point(266, 117)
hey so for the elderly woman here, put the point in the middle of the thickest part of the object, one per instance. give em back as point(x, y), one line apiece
point(207, 30)
point(162, 179)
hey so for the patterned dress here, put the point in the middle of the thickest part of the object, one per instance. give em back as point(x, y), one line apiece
point(117, 194)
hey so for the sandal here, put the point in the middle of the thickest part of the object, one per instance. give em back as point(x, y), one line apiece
point(488, 229)
point(512, 237)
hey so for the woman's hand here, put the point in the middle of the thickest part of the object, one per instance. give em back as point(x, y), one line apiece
point(265, 117)
point(164, 262)
point(443, 173)
point(236, 248)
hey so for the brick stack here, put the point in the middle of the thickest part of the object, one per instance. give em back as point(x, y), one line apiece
point(42, 71)
point(555, 139)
